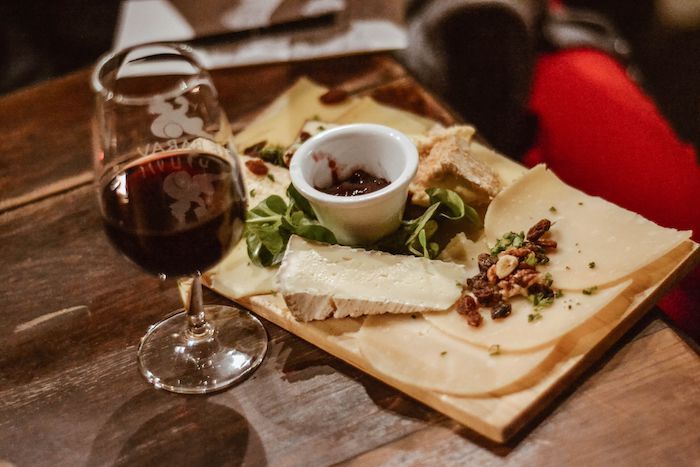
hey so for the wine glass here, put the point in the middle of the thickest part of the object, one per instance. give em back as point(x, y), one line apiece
point(173, 201)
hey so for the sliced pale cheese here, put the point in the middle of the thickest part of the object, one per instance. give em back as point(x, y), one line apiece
point(281, 121)
point(236, 276)
point(598, 242)
point(259, 187)
point(310, 128)
point(516, 332)
point(463, 251)
point(508, 171)
point(410, 350)
point(368, 110)
point(319, 281)
point(184, 286)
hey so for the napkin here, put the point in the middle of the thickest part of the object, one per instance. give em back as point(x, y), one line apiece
point(230, 33)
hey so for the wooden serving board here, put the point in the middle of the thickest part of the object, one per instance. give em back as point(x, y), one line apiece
point(499, 416)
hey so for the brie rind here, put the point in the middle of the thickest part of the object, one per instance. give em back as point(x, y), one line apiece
point(320, 281)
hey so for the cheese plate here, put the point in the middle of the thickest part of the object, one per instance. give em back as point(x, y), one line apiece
point(488, 378)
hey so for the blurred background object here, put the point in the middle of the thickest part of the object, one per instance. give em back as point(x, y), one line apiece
point(664, 37)
point(248, 32)
point(498, 63)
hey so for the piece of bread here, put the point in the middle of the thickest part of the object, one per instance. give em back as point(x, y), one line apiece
point(446, 162)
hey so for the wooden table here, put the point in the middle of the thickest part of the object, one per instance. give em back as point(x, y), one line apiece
point(73, 311)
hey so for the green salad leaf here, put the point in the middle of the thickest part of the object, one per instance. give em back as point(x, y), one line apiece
point(270, 224)
point(413, 236)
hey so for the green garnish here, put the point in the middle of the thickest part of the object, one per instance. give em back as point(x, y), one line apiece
point(534, 317)
point(531, 259)
point(539, 300)
point(591, 264)
point(270, 224)
point(271, 177)
point(590, 290)
point(273, 154)
point(252, 193)
point(511, 239)
point(413, 236)
point(548, 280)
point(552, 209)
point(495, 349)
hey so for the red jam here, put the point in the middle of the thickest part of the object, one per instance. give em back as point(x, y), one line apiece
point(359, 183)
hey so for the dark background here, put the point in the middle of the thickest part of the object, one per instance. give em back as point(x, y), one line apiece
point(44, 39)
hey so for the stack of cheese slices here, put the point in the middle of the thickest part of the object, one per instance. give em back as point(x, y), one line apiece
point(405, 325)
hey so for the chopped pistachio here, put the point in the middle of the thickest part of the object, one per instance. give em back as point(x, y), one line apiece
point(548, 280)
point(590, 290)
point(531, 259)
point(534, 317)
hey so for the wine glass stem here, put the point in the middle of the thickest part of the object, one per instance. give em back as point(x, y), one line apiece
point(196, 322)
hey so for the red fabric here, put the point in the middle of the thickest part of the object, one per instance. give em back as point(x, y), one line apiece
point(600, 133)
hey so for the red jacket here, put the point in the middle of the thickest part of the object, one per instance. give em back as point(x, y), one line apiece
point(600, 133)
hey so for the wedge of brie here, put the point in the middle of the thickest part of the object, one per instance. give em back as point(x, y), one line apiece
point(320, 281)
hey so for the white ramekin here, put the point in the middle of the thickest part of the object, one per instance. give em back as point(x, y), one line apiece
point(380, 151)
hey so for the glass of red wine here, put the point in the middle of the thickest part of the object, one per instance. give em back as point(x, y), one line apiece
point(173, 201)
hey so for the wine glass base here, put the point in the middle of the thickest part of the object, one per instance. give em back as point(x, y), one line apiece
point(171, 359)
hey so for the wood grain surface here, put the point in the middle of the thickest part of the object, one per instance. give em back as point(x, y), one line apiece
point(74, 310)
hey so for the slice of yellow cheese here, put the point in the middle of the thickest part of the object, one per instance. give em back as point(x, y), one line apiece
point(410, 350)
point(282, 120)
point(367, 110)
point(516, 332)
point(236, 276)
point(259, 187)
point(598, 242)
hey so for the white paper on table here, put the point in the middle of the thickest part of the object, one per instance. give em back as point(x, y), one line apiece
point(358, 26)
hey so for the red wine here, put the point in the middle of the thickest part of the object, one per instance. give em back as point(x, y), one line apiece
point(174, 213)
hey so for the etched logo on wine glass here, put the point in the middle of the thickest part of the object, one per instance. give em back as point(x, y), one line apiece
point(189, 193)
point(173, 121)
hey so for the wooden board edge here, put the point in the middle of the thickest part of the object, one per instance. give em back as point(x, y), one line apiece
point(497, 432)
point(691, 260)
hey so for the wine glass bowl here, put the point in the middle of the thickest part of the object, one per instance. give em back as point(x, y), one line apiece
point(172, 200)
